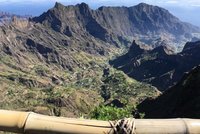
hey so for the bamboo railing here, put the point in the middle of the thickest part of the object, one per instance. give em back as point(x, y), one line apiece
point(32, 123)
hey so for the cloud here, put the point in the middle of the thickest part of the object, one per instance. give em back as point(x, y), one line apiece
point(172, 2)
point(197, 5)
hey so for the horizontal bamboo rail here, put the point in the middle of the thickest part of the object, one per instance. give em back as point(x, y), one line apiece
point(32, 123)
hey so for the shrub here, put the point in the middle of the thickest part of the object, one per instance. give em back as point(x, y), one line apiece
point(111, 113)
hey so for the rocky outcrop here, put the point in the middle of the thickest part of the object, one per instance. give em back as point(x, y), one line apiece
point(115, 24)
point(76, 103)
point(28, 82)
point(7, 18)
point(156, 66)
point(180, 101)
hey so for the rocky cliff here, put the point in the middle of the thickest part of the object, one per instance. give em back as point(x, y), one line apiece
point(158, 66)
point(6, 18)
point(180, 101)
point(146, 23)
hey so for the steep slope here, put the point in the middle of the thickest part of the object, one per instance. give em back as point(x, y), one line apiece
point(49, 72)
point(149, 24)
point(39, 69)
point(141, 19)
point(180, 101)
point(157, 66)
point(77, 21)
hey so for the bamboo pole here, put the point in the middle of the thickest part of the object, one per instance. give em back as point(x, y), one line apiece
point(31, 123)
point(12, 121)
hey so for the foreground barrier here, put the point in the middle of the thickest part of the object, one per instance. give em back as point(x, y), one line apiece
point(32, 123)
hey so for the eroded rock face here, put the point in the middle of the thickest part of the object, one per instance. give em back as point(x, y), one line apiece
point(156, 66)
point(6, 18)
point(180, 101)
point(111, 24)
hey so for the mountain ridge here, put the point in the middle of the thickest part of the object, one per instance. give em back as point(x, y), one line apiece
point(113, 24)
point(158, 66)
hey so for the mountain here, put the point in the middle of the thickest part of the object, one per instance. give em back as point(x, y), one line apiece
point(57, 63)
point(159, 66)
point(51, 69)
point(6, 17)
point(77, 21)
point(146, 23)
point(47, 72)
point(180, 101)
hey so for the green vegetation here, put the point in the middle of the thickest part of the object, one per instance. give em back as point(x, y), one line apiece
point(85, 91)
point(117, 85)
point(128, 92)
point(111, 113)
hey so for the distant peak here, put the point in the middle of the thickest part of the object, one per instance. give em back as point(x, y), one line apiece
point(143, 5)
point(59, 5)
point(135, 46)
point(101, 8)
point(134, 43)
point(84, 8)
point(83, 5)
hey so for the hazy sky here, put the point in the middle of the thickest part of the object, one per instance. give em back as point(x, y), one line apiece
point(186, 10)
